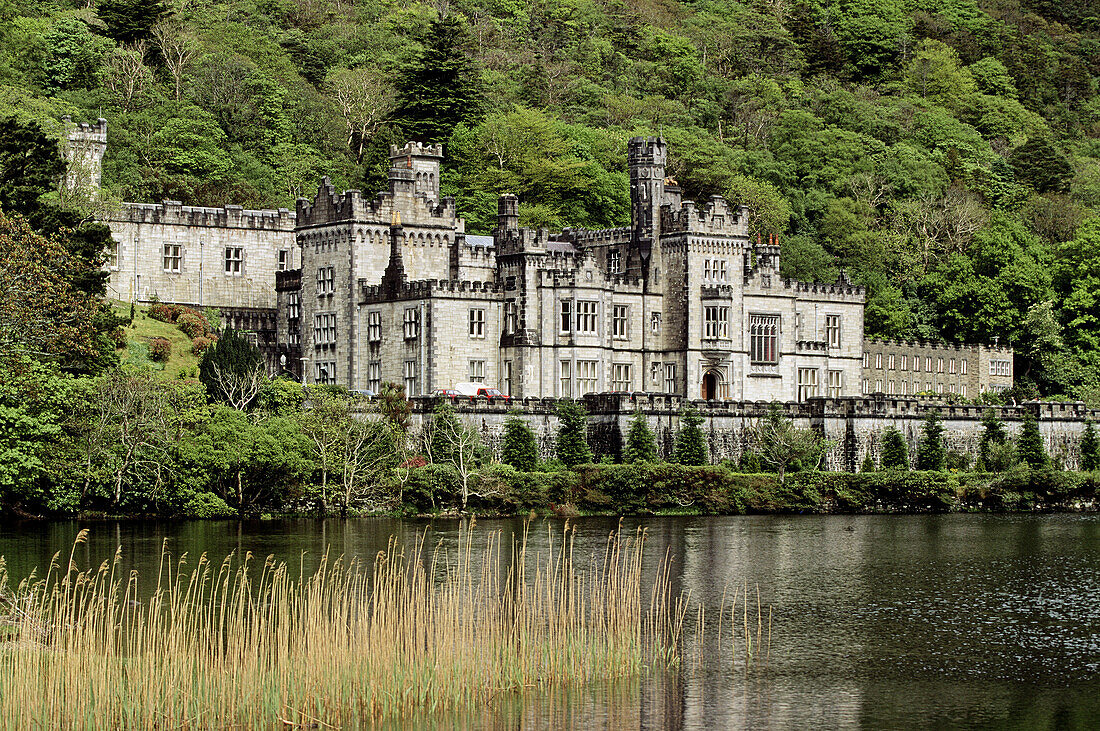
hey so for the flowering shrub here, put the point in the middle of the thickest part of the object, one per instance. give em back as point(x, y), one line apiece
point(165, 313)
point(192, 324)
point(118, 337)
point(160, 349)
point(200, 344)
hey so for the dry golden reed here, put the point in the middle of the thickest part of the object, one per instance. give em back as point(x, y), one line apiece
point(244, 646)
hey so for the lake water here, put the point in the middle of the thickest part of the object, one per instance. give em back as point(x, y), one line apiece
point(977, 621)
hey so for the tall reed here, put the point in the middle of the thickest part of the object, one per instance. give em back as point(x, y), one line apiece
point(232, 644)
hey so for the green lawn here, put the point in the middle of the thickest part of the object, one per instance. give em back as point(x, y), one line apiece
point(144, 329)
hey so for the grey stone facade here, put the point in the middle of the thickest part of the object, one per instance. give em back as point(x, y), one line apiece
point(682, 301)
point(911, 368)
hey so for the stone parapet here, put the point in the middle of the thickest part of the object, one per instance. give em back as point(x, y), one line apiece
point(175, 213)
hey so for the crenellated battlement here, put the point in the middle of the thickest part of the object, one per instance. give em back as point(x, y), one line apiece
point(416, 149)
point(427, 288)
point(328, 207)
point(83, 131)
point(176, 214)
point(872, 344)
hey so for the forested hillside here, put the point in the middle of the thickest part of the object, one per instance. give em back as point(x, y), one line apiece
point(946, 153)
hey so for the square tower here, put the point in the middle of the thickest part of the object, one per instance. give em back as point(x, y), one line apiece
point(423, 162)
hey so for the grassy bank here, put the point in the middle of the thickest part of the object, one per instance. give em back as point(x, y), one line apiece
point(229, 645)
point(669, 488)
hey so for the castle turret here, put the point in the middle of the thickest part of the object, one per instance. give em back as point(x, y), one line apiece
point(646, 158)
point(84, 154)
point(508, 212)
point(422, 162)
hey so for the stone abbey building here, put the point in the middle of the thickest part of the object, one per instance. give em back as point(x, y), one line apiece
point(681, 301)
point(359, 290)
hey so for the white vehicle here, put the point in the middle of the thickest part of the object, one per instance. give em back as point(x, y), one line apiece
point(472, 390)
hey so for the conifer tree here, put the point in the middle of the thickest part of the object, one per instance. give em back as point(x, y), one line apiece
point(993, 432)
point(895, 453)
point(1029, 444)
point(931, 451)
point(573, 434)
point(442, 88)
point(641, 446)
point(232, 369)
point(520, 448)
point(691, 445)
point(868, 464)
point(1090, 448)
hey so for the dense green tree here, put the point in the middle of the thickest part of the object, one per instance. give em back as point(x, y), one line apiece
point(519, 447)
point(233, 370)
point(931, 451)
point(441, 88)
point(1029, 444)
point(130, 20)
point(783, 446)
point(691, 443)
point(1090, 447)
point(868, 463)
point(993, 433)
point(641, 446)
point(572, 441)
point(895, 452)
point(1042, 165)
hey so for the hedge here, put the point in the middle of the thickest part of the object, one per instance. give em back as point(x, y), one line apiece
point(648, 488)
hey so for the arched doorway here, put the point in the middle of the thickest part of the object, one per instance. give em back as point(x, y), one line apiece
point(710, 385)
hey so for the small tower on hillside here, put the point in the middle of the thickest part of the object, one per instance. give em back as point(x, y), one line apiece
point(84, 152)
point(423, 161)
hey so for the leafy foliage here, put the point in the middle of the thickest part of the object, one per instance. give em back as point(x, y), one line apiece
point(691, 444)
point(519, 448)
point(895, 453)
point(572, 441)
point(1029, 444)
point(641, 445)
point(931, 451)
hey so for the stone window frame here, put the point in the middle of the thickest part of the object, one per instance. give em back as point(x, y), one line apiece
point(324, 329)
point(621, 377)
point(716, 322)
point(588, 376)
point(620, 322)
point(939, 364)
point(565, 378)
point(173, 254)
point(952, 366)
point(833, 330)
point(324, 371)
point(655, 322)
point(670, 378)
point(113, 249)
point(890, 362)
point(282, 262)
point(904, 362)
point(916, 363)
point(764, 330)
point(962, 367)
point(411, 323)
point(476, 370)
point(588, 317)
point(412, 378)
point(326, 280)
point(476, 322)
point(615, 261)
point(878, 361)
point(809, 383)
point(374, 375)
point(866, 386)
point(506, 376)
point(565, 316)
point(374, 326)
point(234, 261)
point(834, 390)
point(511, 319)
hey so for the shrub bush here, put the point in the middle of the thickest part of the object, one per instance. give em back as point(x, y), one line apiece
point(200, 344)
point(206, 506)
point(118, 337)
point(192, 324)
point(160, 349)
point(165, 313)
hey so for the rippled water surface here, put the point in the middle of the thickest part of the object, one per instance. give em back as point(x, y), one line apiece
point(973, 621)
